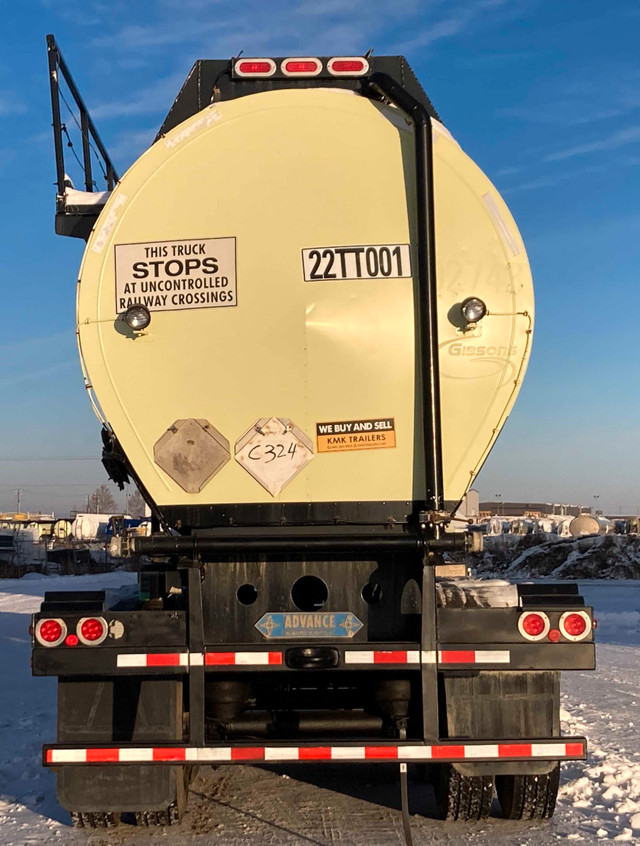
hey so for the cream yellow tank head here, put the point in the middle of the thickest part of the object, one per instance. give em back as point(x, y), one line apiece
point(272, 240)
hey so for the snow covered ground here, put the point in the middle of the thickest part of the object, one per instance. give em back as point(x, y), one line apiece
point(346, 805)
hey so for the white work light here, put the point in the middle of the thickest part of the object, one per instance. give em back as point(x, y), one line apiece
point(473, 309)
point(137, 317)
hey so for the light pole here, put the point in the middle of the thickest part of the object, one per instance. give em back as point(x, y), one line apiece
point(498, 497)
point(596, 497)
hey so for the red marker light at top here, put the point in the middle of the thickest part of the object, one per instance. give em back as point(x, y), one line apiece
point(306, 66)
point(254, 67)
point(348, 66)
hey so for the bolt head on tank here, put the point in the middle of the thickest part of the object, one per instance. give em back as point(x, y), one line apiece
point(473, 309)
point(137, 317)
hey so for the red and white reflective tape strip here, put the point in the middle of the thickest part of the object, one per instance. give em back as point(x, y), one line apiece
point(351, 656)
point(468, 656)
point(246, 659)
point(197, 659)
point(449, 752)
point(154, 659)
point(380, 656)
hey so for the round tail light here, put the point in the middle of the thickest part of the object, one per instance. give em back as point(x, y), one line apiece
point(92, 630)
point(575, 625)
point(50, 632)
point(534, 625)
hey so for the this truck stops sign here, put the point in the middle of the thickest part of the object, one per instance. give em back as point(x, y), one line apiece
point(171, 275)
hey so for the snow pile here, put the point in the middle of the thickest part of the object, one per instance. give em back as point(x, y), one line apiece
point(608, 788)
point(522, 556)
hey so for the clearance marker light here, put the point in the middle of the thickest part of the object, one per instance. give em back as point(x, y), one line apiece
point(301, 67)
point(255, 67)
point(348, 66)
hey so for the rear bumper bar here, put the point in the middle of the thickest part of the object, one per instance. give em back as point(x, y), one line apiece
point(550, 749)
point(108, 661)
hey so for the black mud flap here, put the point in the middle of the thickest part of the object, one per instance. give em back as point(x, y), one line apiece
point(113, 711)
point(128, 788)
point(489, 705)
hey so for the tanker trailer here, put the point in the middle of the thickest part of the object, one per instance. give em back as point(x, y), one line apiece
point(333, 309)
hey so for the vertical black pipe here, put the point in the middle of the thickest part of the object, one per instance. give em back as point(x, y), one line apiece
point(52, 54)
point(427, 328)
point(86, 151)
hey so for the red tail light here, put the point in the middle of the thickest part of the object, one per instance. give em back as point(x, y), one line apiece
point(348, 66)
point(50, 632)
point(91, 630)
point(534, 625)
point(254, 67)
point(301, 67)
point(575, 625)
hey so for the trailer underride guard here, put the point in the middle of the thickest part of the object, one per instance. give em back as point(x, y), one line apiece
point(304, 631)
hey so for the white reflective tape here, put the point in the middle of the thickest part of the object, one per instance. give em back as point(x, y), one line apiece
point(196, 659)
point(489, 750)
point(184, 659)
point(342, 753)
point(546, 750)
point(361, 656)
point(493, 656)
point(135, 754)
point(420, 753)
point(252, 658)
point(413, 656)
point(281, 753)
point(68, 756)
point(132, 660)
point(220, 754)
point(428, 656)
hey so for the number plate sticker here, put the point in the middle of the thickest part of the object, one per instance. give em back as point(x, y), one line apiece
point(378, 261)
point(301, 624)
point(274, 450)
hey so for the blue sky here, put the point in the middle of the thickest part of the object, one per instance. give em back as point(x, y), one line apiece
point(545, 96)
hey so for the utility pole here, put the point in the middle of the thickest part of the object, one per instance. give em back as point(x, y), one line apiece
point(19, 500)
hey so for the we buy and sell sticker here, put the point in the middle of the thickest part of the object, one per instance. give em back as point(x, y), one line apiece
point(344, 435)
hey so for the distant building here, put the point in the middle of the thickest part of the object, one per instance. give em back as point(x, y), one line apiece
point(531, 509)
point(469, 507)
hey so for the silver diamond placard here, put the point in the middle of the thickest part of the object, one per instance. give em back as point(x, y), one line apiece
point(191, 452)
point(274, 450)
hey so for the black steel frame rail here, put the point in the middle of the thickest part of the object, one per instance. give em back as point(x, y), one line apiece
point(88, 130)
point(286, 543)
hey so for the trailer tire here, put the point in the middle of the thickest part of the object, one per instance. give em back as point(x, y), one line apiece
point(461, 797)
point(528, 797)
point(94, 819)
